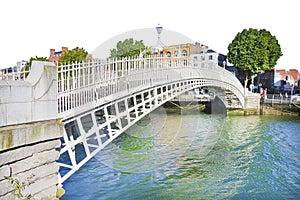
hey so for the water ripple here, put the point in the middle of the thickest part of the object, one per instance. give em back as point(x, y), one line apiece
point(253, 157)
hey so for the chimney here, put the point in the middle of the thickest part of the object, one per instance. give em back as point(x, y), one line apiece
point(51, 57)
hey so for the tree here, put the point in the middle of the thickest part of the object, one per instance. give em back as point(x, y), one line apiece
point(254, 51)
point(28, 63)
point(129, 48)
point(75, 55)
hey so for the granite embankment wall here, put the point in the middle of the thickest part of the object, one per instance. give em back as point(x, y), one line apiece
point(255, 105)
point(271, 108)
point(30, 134)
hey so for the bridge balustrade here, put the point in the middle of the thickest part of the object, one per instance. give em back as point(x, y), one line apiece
point(81, 84)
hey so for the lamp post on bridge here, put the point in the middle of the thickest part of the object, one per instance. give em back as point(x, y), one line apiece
point(159, 45)
point(158, 29)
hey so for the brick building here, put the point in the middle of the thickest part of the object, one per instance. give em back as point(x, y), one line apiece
point(285, 80)
point(182, 50)
point(290, 76)
point(55, 55)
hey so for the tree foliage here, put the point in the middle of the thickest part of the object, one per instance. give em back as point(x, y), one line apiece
point(254, 50)
point(28, 63)
point(75, 55)
point(129, 48)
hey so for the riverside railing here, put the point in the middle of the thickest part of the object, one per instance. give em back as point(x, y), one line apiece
point(278, 99)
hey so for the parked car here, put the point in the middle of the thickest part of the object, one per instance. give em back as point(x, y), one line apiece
point(295, 97)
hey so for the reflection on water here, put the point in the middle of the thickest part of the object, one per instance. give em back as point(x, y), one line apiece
point(139, 150)
point(197, 156)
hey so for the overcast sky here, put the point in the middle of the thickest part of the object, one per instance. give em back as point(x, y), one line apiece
point(32, 27)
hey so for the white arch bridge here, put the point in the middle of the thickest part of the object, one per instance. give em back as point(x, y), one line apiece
point(99, 100)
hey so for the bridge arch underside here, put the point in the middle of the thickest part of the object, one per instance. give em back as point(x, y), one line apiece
point(221, 100)
point(96, 127)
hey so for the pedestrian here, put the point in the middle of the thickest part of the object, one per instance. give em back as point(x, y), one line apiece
point(262, 92)
point(251, 87)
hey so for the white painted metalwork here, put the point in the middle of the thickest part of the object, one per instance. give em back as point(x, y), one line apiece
point(98, 100)
point(80, 85)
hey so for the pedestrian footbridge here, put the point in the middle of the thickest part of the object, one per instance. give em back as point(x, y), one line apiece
point(98, 100)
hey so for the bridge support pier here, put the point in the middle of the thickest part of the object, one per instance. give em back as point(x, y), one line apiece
point(252, 104)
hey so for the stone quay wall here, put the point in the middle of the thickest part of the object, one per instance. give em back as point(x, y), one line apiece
point(257, 105)
point(30, 135)
point(278, 108)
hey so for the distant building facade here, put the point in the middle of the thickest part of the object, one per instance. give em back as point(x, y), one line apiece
point(290, 77)
point(183, 50)
point(55, 55)
point(208, 57)
point(12, 73)
point(198, 53)
point(285, 80)
point(21, 64)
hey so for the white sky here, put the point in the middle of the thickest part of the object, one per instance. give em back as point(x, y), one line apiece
point(32, 27)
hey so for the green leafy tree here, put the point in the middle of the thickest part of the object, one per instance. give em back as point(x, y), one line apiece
point(254, 51)
point(129, 48)
point(75, 55)
point(28, 63)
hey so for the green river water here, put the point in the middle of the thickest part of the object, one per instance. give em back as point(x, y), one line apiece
point(192, 155)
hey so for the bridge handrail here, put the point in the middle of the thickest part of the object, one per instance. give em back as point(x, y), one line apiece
point(85, 82)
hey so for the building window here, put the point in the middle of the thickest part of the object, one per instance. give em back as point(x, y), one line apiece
point(184, 53)
point(184, 62)
point(202, 58)
point(168, 54)
point(175, 53)
point(210, 57)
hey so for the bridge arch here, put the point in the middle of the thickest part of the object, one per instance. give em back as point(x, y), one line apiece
point(99, 100)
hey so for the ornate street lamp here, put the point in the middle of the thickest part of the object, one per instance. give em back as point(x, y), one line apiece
point(158, 29)
point(159, 45)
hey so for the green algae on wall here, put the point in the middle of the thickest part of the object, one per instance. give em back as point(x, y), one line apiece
point(6, 139)
point(35, 132)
